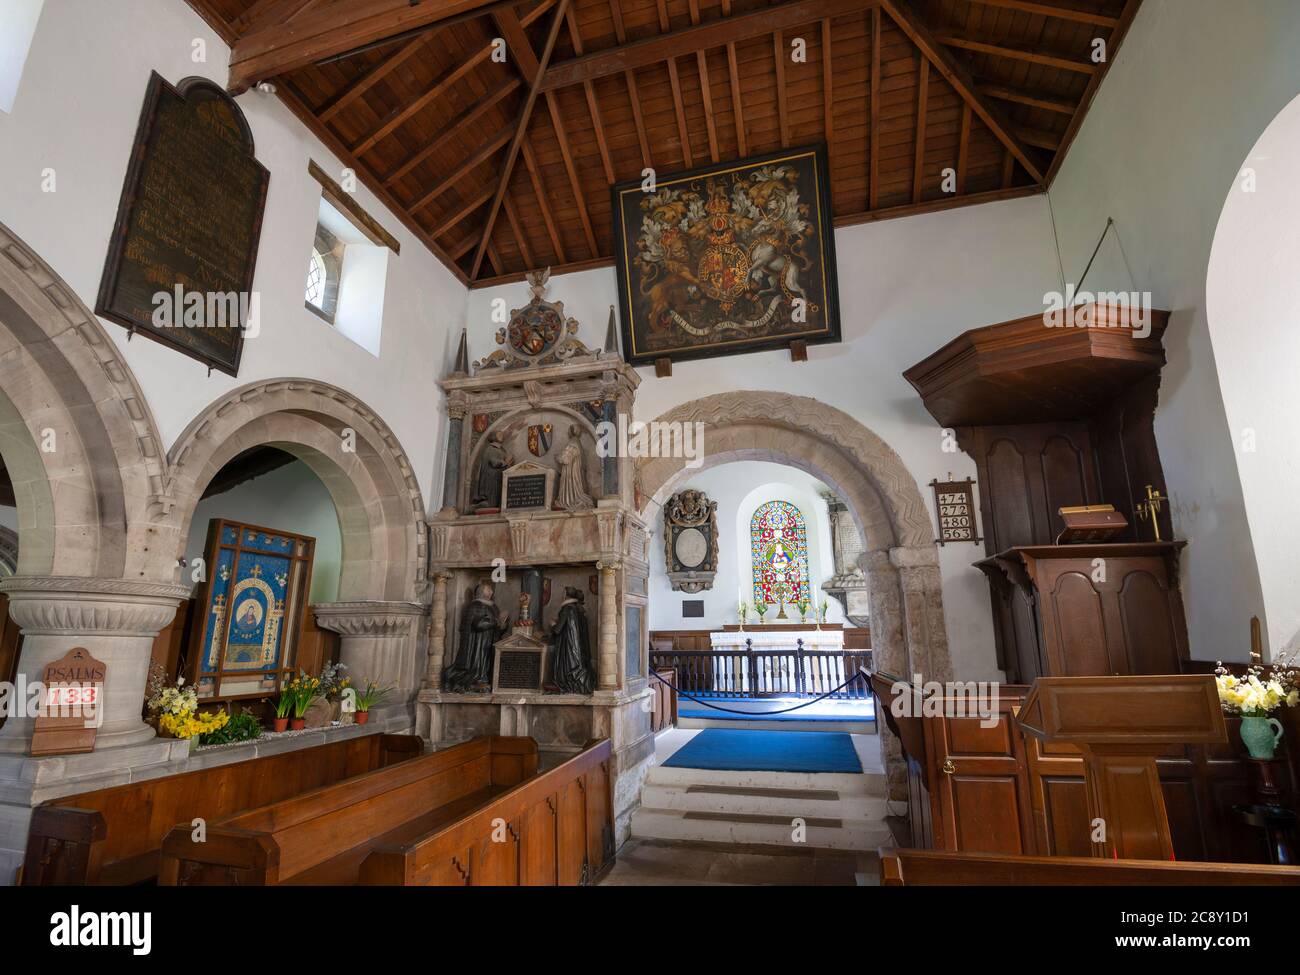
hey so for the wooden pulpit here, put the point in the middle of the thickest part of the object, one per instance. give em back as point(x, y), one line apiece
point(1120, 725)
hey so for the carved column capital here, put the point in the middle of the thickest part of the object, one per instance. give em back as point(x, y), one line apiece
point(76, 606)
point(368, 618)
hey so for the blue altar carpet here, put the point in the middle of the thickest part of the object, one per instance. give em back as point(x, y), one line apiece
point(722, 749)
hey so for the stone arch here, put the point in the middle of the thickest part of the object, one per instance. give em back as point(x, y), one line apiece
point(901, 562)
point(356, 456)
point(77, 435)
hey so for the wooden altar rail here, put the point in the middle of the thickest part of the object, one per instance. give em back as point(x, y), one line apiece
point(935, 868)
point(556, 829)
point(114, 836)
point(465, 795)
point(797, 672)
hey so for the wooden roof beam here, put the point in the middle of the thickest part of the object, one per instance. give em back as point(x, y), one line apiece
point(687, 40)
point(274, 46)
point(521, 130)
point(910, 22)
point(1032, 55)
point(1006, 93)
point(592, 106)
point(1051, 10)
point(485, 152)
point(452, 129)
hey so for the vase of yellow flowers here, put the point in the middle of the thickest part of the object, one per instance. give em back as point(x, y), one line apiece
point(174, 709)
point(1255, 697)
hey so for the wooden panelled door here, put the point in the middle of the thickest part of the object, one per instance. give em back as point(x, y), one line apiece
point(978, 798)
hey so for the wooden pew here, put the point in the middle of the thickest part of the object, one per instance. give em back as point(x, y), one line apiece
point(113, 836)
point(554, 829)
point(324, 836)
point(936, 868)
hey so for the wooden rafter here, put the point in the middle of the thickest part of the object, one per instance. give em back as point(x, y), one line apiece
point(379, 72)
point(963, 148)
point(706, 89)
point(1005, 50)
point(575, 183)
point(679, 109)
point(873, 110)
point(828, 90)
point(686, 40)
point(593, 107)
point(620, 34)
point(456, 127)
point(466, 208)
point(483, 154)
point(1006, 93)
point(922, 109)
point(906, 17)
point(535, 177)
point(1112, 48)
point(1052, 10)
point(271, 48)
point(521, 239)
point(782, 109)
point(521, 130)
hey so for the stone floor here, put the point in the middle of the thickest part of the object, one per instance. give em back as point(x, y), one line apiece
point(663, 863)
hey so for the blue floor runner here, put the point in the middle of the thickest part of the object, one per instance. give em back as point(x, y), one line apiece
point(767, 751)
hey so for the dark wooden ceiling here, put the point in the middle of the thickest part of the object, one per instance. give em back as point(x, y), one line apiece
point(502, 166)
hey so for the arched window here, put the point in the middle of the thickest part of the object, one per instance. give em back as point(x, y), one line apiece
point(778, 540)
point(324, 272)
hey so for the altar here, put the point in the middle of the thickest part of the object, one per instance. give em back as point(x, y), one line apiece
point(769, 638)
point(779, 660)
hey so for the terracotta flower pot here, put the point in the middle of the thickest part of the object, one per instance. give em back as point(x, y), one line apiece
point(280, 724)
point(297, 724)
point(362, 717)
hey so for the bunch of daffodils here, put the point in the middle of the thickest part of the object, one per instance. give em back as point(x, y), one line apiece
point(176, 699)
point(1259, 692)
point(189, 725)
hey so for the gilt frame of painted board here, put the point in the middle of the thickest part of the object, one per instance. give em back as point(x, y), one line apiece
point(729, 258)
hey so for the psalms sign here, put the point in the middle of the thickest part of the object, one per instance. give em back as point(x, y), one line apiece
point(954, 503)
point(181, 259)
point(70, 713)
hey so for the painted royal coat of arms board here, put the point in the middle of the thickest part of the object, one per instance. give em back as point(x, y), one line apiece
point(731, 258)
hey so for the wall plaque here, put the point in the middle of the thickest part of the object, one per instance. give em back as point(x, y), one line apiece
point(633, 638)
point(954, 503)
point(181, 258)
point(691, 540)
point(520, 664)
point(527, 486)
point(71, 709)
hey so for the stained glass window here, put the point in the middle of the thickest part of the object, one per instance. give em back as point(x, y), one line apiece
point(778, 540)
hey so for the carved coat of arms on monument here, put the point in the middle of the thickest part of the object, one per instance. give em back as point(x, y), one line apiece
point(538, 334)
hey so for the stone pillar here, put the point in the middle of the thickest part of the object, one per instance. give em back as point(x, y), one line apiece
point(451, 470)
point(116, 620)
point(607, 662)
point(925, 631)
point(380, 642)
point(888, 654)
point(609, 465)
point(437, 631)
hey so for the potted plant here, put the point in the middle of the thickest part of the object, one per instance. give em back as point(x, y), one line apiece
point(283, 708)
point(802, 606)
point(1255, 697)
point(760, 610)
point(368, 698)
point(305, 690)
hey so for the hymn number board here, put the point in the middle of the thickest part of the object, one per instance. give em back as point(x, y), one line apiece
point(181, 258)
point(954, 503)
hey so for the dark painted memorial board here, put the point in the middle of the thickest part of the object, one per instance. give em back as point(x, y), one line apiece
point(526, 491)
point(190, 218)
point(519, 670)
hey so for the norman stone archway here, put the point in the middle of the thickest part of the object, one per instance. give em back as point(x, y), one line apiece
point(352, 451)
point(901, 561)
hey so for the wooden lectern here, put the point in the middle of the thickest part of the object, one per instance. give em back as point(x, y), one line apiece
point(1121, 724)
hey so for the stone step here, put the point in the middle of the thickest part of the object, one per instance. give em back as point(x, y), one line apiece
point(842, 783)
point(757, 830)
point(713, 798)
